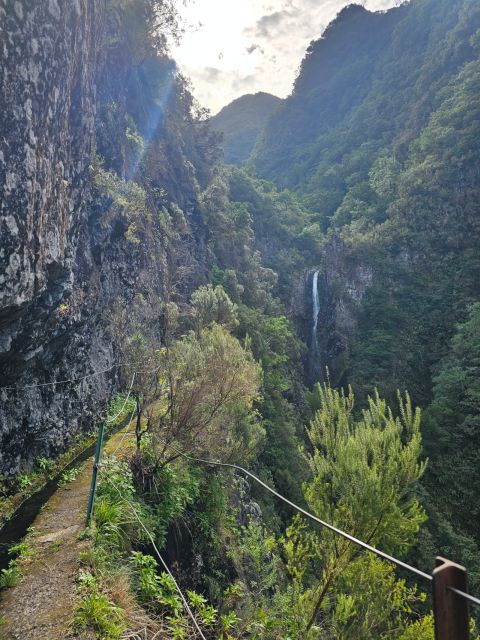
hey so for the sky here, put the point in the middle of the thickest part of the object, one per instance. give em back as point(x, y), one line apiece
point(233, 47)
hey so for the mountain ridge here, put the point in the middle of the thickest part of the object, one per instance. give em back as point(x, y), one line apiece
point(241, 121)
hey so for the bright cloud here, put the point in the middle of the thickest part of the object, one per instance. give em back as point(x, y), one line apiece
point(232, 47)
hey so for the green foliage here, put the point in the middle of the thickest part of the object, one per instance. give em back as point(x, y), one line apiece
point(362, 476)
point(285, 232)
point(69, 476)
point(370, 602)
point(257, 233)
point(208, 614)
point(116, 527)
point(257, 564)
point(172, 491)
point(96, 612)
point(21, 552)
point(149, 585)
point(211, 382)
point(24, 481)
point(420, 630)
point(115, 406)
point(363, 471)
point(45, 464)
point(147, 25)
point(115, 479)
point(111, 520)
point(128, 199)
point(453, 444)
point(379, 141)
point(274, 343)
point(158, 592)
point(10, 576)
point(212, 304)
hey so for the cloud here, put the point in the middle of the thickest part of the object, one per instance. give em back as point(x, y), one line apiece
point(244, 82)
point(262, 44)
point(268, 24)
point(211, 74)
point(255, 47)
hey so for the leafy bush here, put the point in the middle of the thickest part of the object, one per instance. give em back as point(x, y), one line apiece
point(96, 612)
point(10, 576)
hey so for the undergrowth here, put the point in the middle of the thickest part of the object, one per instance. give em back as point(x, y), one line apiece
point(120, 581)
point(21, 553)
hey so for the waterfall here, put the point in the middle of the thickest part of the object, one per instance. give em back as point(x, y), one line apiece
point(315, 352)
point(315, 303)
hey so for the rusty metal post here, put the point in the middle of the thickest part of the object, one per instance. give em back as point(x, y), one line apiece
point(450, 609)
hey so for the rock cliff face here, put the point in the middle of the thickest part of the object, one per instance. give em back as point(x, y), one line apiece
point(342, 284)
point(70, 82)
point(46, 134)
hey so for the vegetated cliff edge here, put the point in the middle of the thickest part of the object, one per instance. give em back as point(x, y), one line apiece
point(87, 104)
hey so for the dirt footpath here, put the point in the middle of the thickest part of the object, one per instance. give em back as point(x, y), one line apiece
point(42, 605)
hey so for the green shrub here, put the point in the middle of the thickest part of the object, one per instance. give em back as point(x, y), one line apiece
point(111, 519)
point(69, 476)
point(45, 464)
point(96, 612)
point(9, 577)
point(23, 481)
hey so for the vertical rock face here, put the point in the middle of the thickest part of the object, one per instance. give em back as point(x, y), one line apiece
point(46, 132)
point(47, 78)
point(344, 285)
point(340, 286)
point(70, 83)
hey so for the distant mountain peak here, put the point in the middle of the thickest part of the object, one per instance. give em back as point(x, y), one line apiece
point(258, 97)
point(241, 121)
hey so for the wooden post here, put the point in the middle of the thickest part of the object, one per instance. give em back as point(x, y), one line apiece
point(93, 484)
point(450, 609)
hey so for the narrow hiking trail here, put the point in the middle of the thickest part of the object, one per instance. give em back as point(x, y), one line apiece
point(42, 605)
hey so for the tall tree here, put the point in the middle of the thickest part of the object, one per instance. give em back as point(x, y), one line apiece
point(363, 474)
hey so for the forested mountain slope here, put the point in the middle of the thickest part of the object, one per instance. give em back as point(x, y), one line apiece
point(380, 140)
point(241, 121)
point(110, 199)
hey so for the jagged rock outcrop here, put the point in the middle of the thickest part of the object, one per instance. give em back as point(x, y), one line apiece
point(73, 82)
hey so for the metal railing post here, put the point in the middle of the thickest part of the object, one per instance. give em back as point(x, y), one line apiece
point(93, 484)
point(450, 610)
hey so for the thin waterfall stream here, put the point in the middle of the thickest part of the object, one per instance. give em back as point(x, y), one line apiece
point(315, 307)
point(315, 351)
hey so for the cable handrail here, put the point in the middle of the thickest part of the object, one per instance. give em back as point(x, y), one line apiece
point(323, 523)
point(467, 596)
point(160, 557)
point(74, 380)
point(399, 563)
